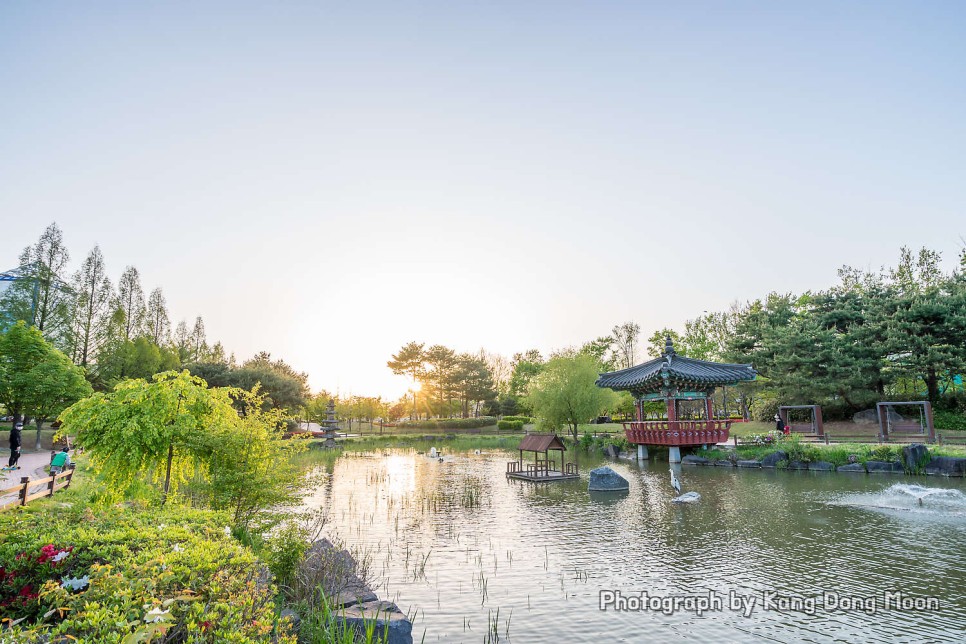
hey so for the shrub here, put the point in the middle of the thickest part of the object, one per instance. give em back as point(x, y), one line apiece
point(509, 424)
point(950, 420)
point(449, 423)
point(133, 575)
point(526, 419)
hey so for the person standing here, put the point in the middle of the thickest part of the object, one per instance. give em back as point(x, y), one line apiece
point(15, 441)
point(779, 425)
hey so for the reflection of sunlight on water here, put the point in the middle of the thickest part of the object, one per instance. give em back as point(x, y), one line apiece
point(457, 541)
point(400, 474)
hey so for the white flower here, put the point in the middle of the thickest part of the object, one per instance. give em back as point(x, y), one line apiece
point(178, 548)
point(156, 615)
point(76, 583)
point(60, 556)
point(227, 531)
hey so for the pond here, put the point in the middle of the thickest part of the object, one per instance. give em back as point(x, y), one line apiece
point(783, 556)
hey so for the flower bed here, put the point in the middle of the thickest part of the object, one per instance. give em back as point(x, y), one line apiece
point(132, 573)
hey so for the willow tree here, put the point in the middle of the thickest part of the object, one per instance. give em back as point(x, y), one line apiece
point(565, 393)
point(149, 428)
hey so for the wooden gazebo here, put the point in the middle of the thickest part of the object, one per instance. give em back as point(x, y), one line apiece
point(672, 378)
point(541, 469)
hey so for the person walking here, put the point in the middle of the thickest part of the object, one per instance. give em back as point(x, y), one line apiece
point(15, 441)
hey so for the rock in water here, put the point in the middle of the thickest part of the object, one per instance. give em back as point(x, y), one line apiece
point(612, 451)
point(687, 497)
point(604, 479)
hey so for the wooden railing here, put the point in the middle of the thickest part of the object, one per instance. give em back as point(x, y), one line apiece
point(24, 496)
point(677, 432)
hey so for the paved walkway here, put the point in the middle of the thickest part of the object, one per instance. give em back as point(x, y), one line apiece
point(31, 464)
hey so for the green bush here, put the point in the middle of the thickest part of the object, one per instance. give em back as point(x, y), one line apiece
point(526, 419)
point(509, 424)
point(449, 423)
point(125, 574)
point(950, 420)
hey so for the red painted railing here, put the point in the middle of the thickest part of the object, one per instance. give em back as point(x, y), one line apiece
point(677, 432)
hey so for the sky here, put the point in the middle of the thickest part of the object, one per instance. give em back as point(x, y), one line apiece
point(328, 181)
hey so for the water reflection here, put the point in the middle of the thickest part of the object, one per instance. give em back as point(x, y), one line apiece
point(541, 553)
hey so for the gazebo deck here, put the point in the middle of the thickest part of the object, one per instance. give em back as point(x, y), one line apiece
point(540, 473)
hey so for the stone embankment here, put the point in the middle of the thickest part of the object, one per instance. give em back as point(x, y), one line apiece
point(915, 460)
point(352, 601)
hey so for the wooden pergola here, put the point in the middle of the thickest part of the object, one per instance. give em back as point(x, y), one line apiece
point(542, 469)
point(887, 426)
point(815, 426)
point(671, 379)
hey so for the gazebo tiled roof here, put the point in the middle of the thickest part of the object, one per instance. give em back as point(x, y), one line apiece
point(671, 370)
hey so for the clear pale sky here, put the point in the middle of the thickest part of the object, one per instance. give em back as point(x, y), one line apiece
point(328, 181)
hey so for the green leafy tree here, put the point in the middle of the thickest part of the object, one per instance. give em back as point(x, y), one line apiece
point(130, 297)
point(42, 299)
point(157, 321)
point(36, 379)
point(565, 393)
point(409, 361)
point(93, 299)
point(246, 464)
point(525, 367)
point(658, 340)
point(283, 387)
point(440, 375)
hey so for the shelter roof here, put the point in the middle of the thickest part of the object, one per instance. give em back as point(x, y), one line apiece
point(541, 443)
point(674, 370)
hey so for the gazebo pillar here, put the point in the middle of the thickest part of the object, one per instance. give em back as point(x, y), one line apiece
point(709, 409)
point(642, 452)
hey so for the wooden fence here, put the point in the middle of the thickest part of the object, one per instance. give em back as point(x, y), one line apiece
point(23, 489)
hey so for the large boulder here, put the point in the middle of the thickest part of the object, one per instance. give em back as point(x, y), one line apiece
point(887, 467)
point(774, 459)
point(797, 465)
point(387, 617)
point(914, 456)
point(820, 466)
point(612, 451)
point(946, 466)
point(604, 479)
point(750, 464)
point(724, 463)
point(851, 467)
point(692, 459)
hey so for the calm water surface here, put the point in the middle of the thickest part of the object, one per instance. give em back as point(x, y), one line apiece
point(479, 558)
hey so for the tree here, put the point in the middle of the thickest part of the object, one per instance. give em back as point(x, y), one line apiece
point(182, 342)
point(131, 302)
point(42, 299)
point(625, 342)
point(93, 296)
point(565, 393)
point(157, 321)
point(409, 361)
point(199, 341)
point(174, 429)
point(525, 367)
point(441, 362)
point(602, 351)
point(472, 383)
point(36, 379)
point(658, 340)
point(282, 386)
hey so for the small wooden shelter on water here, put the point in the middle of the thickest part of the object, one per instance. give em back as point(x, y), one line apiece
point(544, 469)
